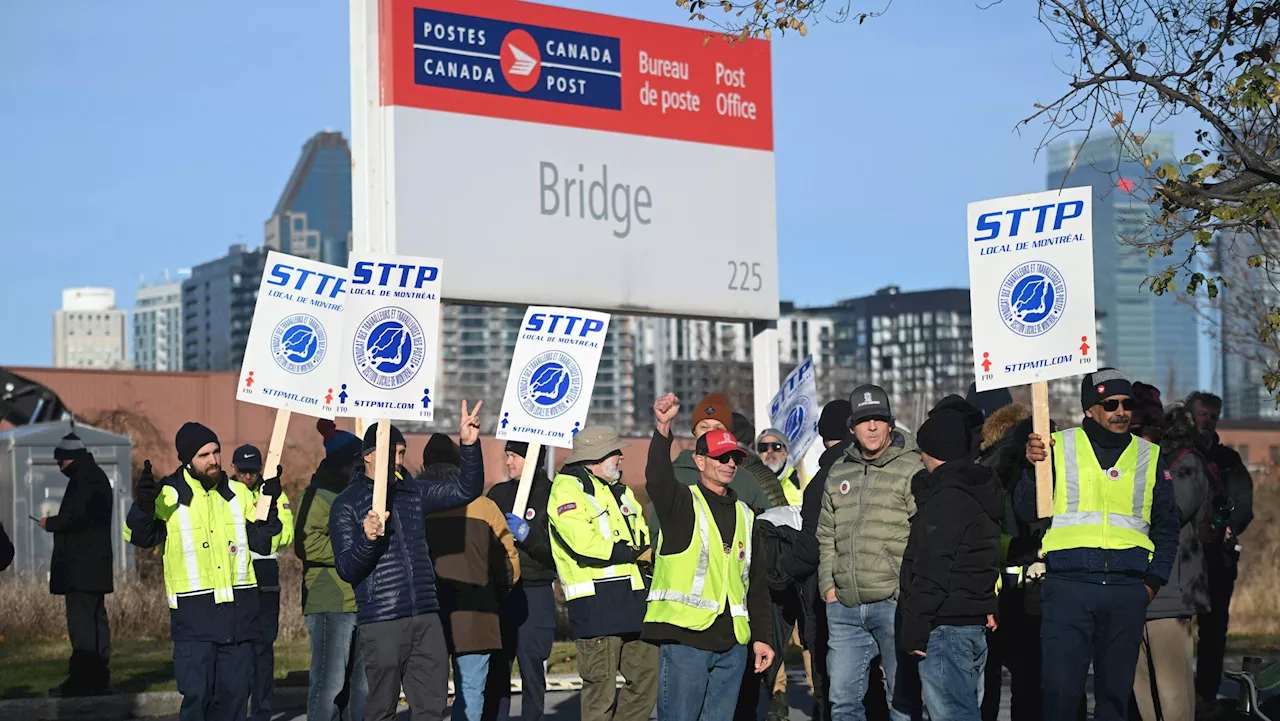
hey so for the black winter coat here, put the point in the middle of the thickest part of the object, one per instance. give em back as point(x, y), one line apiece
point(393, 575)
point(82, 533)
point(952, 560)
point(537, 567)
point(6, 549)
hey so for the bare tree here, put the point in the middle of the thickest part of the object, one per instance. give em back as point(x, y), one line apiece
point(737, 20)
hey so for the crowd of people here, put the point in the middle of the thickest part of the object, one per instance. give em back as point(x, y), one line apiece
point(911, 568)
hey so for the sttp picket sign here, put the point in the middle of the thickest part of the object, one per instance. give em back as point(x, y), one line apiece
point(794, 410)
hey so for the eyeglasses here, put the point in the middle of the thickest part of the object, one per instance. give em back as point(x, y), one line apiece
point(1111, 404)
point(766, 447)
point(724, 458)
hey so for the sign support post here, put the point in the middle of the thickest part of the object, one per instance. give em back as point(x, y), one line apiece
point(526, 479)
point(381, 460)
point(1044, 469)
point(274, 451)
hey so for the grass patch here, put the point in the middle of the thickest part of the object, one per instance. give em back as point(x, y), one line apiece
point(31, 668)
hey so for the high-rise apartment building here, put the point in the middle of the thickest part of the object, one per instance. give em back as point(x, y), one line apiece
point(1249, 296)
point(157, 327)
point(1150, 338)
point(217, 309)
point(89, 331)
point(312, 218)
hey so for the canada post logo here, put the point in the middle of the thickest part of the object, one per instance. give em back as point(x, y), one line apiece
point(482, 55)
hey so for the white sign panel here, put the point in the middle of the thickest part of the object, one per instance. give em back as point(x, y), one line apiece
point(794, 410)
point(391, 337)
point(552, 375)
point(1031, 287)
point(525, 137)
point(292, 357)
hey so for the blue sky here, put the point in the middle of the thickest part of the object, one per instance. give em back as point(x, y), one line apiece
point(148, 135)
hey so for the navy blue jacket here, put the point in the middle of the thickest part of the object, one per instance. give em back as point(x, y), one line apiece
point(1101, 566)
point(393, 575)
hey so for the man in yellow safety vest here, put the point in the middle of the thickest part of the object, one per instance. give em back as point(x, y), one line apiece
point(709, 604)
point(208, 528)
point(1111, 545)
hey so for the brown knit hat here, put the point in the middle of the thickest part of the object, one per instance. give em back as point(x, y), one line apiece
point(714, 406)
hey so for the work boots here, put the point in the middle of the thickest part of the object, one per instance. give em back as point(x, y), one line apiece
point(778, 707)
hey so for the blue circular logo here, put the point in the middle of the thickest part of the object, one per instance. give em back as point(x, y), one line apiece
point(794, 425)
point(389, 347)
point(298, 343)
point(550, 384)
point(1032, 298)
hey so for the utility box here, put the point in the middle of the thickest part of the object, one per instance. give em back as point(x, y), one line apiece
point(32, 485)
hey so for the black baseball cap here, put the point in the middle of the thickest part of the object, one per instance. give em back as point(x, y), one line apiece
point(868, 401)
point(247, 458)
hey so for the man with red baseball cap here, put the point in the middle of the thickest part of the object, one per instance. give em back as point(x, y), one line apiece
point(709, 607)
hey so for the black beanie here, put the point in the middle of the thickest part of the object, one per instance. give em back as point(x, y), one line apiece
point(988, 402)
point(190, 439)
point(1102, 384)
point(945, 436)
point(441, 449)
point(371, 439)
point(833, 424)
point(972, 416)
point(70, 448)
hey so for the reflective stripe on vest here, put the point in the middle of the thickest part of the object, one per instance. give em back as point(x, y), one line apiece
point(242, 545)
point(606, 530)
point(188, 550)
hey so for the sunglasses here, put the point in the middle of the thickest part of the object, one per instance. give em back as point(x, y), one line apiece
point(766, 447)
point(1112, 404)
point(724, 458)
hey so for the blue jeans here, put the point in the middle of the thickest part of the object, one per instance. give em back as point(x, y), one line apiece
point(952, 672)
point(338, 683)
point(855, 636)
point(470, 671)
point(696, 685)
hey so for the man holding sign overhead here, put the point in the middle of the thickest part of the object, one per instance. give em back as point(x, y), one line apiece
point(385, 556)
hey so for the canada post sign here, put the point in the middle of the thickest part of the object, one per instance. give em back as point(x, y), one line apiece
point(463, 52)
point(1031, 287)
point(522, 135)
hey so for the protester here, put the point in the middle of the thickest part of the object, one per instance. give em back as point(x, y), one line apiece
point(1164, 683)
point(1148, 412)
point(709, 603)
point(6, 549)
point(337, 683)
point(862, 534)
point(529, 614)
point(246, 467)
point(211, 583)
point(710, 413)
point(1015, 643)
point(387, 558)
point(947, 593)
point(833, 427)
point(773, 447)
point(81, 567)
point(1232, 514)
point(1109, 549)
point(990, 401)
point(474, 555)
point(598, 536)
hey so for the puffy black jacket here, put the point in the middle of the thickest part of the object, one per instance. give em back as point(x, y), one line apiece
point(393, 575)
point(82, 532)
point(952, 559)
point(6, 549)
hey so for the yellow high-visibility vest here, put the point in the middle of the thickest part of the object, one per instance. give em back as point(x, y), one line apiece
point(1095, 507)
point(588, 525)
point(691, 588)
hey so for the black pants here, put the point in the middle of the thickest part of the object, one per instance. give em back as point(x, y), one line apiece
point(528, 630)
point(1015, 645)
point(263, 684)
point(90, 638)
point(409, 652)
point(1085, 623)
point(1213, 623)
point(213, 679)
point(786, 613)
point(813, 633)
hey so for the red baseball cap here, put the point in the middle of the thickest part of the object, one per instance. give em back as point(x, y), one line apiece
point(719, 442)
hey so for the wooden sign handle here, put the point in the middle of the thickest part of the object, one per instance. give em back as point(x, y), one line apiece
point(526, 479)
point(380, 470)
point(1044, 469)
point(274, 451)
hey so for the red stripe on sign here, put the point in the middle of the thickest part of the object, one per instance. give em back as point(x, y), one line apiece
point(540, 64)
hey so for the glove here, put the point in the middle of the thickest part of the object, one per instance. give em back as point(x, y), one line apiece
point(1035, 571)
point(519, 527)
point(271, 486)
point(148, 490)
point(645, 557)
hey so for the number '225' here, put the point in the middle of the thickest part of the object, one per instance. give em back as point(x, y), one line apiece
point(745, 276)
